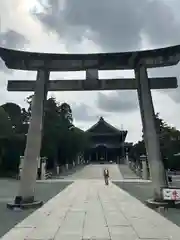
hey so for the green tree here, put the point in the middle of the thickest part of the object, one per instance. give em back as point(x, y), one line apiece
point(137, 150)
point(5, 125)
point(67, 135)
point(8, 158)
point(169, 142)
point(51, 131)
point(61, 140)
point(14, 113)
point(169, 138)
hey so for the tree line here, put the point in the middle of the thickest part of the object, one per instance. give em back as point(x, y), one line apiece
point(169, 138)
point(62, 142)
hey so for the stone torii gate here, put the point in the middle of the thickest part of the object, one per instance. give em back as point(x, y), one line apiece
point(44, 63)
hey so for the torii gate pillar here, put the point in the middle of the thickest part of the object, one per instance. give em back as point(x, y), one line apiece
point(33, 144)
point(149, 129)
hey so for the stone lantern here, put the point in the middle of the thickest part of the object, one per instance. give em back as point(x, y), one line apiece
point(143, 159)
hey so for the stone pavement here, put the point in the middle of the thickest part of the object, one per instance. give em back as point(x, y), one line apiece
point(87, 209)
point(9, 187)
point(95, 171)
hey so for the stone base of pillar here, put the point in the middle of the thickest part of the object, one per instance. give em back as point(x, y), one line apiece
point(24, 204)
point(157, 204)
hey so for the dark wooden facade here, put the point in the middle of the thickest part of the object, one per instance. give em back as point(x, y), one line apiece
point(107, 143)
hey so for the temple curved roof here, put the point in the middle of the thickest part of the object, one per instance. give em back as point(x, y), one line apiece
point(104, 128)
point(15, 59)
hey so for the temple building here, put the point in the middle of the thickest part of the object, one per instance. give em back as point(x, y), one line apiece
point(107, 143)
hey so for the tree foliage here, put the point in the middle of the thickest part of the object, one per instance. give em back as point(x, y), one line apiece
point(169, 138)
point(61, 140)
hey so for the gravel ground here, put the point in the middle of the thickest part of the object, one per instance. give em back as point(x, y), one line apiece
point(144, 191)
point(9, 218)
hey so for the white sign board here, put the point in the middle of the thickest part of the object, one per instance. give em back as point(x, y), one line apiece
point(171, 194)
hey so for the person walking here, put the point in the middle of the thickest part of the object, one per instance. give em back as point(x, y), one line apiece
point(106, 176)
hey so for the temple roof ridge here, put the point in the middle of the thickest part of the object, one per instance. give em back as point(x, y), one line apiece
point(108, 125)
point(101, 119)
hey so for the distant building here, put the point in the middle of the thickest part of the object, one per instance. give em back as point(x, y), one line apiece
point(107, 143)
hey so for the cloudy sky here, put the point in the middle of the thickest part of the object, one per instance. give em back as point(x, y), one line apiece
point(86, 26)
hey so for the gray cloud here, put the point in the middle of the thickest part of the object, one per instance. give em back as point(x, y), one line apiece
point(82, 112)
point(11, 39)
point(124, 101)
point(114, 25)
point(161, 24)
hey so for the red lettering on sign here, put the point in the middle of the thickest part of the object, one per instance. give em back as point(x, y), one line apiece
point(174, 195)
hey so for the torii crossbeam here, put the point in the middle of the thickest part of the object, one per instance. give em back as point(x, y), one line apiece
point(44, 63)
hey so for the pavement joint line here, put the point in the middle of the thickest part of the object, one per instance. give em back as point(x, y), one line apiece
point(102, 203)
point(128, 220)
point(63, 219)
point(104, 215)
point(96, 193)
point(130, 225)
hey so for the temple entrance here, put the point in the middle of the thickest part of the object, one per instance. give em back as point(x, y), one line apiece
point(107, 143)
point(101, 153)
point(44, 63)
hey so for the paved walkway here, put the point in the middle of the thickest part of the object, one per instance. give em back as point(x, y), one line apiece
point(91, 210)
point(95, 171)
